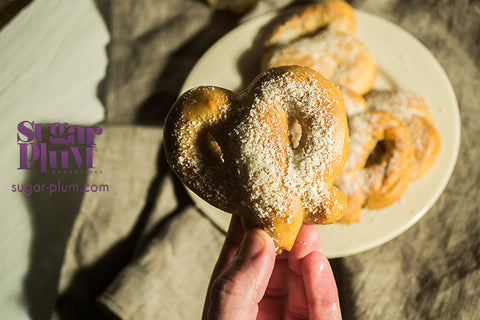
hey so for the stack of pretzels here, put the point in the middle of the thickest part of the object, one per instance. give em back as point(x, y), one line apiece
point(392, 136)
point(308, 141)
point(392, 141)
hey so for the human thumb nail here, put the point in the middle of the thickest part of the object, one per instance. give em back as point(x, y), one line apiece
point(253, 243)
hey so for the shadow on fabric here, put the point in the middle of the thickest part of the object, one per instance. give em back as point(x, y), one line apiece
point(52, 218)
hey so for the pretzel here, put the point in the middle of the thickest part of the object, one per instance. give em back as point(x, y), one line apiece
point(379, 164)
point(320, 37)
point(354, 103)
point(234, 150)
point(335, 55)
point(413, 111)
point(330, 14)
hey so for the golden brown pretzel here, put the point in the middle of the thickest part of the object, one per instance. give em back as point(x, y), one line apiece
point(379, 164)
point(234, 150)
point(332, 51)
point(413, 111)
point(329, 14)
point(354, 103)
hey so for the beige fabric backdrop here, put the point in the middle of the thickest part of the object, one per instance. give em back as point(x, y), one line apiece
point(142, 251)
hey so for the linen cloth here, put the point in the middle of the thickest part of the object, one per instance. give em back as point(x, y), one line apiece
point(143, 251)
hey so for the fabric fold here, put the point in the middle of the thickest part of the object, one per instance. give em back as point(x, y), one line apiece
point(110, 223)
point(169, 280)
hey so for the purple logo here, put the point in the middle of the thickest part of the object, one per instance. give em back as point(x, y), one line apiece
point(56, 145)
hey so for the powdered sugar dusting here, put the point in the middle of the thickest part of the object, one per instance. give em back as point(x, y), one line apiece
point(359, 127)
point(413, 111)
point(389, 169)
point(333, 54)
point(271, 171)
point(354, 104)
point(192, 163)
point(402, 104)
point(335, 15)
point(235, 151)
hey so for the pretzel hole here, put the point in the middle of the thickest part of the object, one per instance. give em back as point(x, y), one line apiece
point(211, 149)
point(377, 154)
point(294, 132)
point(311, 33)
point(215, 148)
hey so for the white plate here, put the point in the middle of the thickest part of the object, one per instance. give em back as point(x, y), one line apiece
point(403, 62)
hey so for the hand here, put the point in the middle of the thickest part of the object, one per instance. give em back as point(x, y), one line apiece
point(250, 282)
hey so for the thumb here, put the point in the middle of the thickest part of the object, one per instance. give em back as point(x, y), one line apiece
point(235, 294)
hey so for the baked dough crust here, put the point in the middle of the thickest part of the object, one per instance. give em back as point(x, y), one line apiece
point(234, 150)
point(320, 36)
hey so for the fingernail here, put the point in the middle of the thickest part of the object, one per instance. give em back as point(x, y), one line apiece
point(252, 244)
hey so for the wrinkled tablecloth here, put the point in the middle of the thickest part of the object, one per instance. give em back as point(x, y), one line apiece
point(143, 251)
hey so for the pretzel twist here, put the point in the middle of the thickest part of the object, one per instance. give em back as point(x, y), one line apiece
point(413, 111)
point(234, 150)
point(330, 14)
point(320, 36)
point(379, 165)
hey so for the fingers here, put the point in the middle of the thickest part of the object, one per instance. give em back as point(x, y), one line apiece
point(308, 241)
point(240, 287)
point(312, 289)
point(296, 307)
point(273, 302)
point(287, 277)
point(245, 273)
point(230, 246)
point(320, 287)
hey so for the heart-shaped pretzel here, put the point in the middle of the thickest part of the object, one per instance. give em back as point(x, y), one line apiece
point(234, 150)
